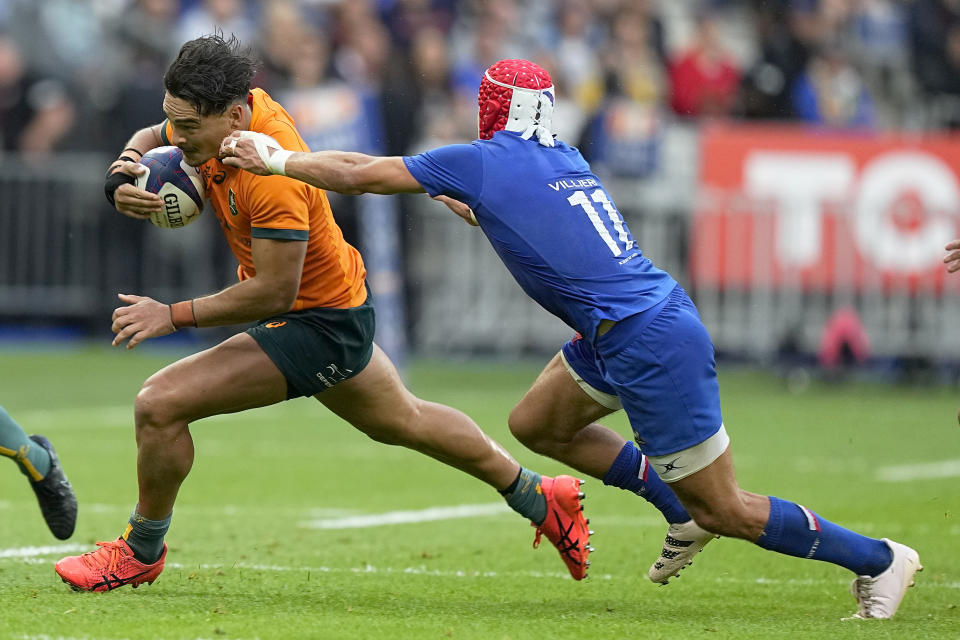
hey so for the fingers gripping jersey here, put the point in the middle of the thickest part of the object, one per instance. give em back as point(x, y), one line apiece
point(552, 223)
point(275, 207)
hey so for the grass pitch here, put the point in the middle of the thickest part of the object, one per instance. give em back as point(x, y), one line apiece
point(267, 539)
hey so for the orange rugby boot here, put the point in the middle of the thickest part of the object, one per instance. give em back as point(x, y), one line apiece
point(110, 566)
point(565, 525)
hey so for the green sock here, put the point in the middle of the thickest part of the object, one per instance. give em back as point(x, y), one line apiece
point(145, 537)
point(525, 496)
point(33, 460)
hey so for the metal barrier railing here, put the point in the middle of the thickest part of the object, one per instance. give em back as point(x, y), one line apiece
point(64, 254)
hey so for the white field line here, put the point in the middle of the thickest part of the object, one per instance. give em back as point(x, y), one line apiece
point(408, 517)
point(919, 471)
point(114, 416)
point(33, 552)
point(38, 420)
point(44, 636)
point(368, 569)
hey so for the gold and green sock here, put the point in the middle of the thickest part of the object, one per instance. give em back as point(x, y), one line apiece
point(145, 537)
point(32, 459)
point(525, 496)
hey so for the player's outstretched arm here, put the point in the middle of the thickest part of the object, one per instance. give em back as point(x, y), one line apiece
point(340, 171)
point(461, 209)
point(120, 185)
point(952, 259)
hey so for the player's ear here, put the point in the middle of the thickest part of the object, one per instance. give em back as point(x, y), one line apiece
point(235, 115)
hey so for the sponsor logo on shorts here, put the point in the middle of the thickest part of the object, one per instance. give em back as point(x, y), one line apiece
point(670, 466)
point(274, 325)
point(332, 375)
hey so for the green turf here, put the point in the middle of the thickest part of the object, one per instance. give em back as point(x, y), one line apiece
point(242, 566)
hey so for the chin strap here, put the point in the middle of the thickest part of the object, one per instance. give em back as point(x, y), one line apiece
point(544, 135)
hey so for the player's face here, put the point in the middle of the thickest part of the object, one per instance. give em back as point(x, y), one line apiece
point(198, 136)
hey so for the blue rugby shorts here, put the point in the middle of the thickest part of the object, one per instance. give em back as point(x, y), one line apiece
point(660, 365)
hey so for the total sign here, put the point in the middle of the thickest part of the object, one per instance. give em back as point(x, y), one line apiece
point(819, 209)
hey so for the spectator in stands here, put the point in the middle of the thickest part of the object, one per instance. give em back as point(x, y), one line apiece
point(936, 62)
point(481, 37)
point(35, 113)
point(574, 45)
point(419, 106)
point(147, 33)
point(282, 27)
point(704, 79)
point(405, 19)
point(363, 45)
point(228, 16)
point(831, 92)
point(623, 136)
point(765, 93)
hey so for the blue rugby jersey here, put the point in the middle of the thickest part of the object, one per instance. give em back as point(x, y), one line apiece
point(552, 223)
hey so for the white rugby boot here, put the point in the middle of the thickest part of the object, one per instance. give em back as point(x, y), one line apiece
point(880, 597)
point(683, 542)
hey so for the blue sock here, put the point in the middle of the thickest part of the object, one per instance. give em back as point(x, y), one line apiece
point(32, 459)
point(145, 537)
point(631, 472)
point(797, 531)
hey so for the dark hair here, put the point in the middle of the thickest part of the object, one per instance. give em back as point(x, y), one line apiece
point(211, 73)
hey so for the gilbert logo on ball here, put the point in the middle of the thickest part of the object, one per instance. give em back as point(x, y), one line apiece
point(177, 183)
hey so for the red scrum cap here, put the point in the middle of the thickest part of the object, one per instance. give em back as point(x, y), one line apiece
point(516, 95)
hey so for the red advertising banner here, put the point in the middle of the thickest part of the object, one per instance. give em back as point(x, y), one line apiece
point(821, 210)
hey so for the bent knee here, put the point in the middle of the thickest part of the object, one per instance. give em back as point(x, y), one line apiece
point(526, 428)
point(157, 405)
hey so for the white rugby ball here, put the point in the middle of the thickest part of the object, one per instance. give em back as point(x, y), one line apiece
point(178, 184)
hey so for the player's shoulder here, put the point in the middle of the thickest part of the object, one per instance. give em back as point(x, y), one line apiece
point(269, 117)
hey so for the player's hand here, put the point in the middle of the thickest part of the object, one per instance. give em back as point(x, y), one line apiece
point(140, 319)
point(253, 152)
point(460, 209)
point(132, 201)
point(952, 259)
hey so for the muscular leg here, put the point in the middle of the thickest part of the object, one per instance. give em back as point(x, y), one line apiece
point(232, 376)
point(718, 504)
point(556, 418)
point(376, 402)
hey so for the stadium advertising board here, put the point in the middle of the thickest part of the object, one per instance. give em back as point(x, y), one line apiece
point(819, 210)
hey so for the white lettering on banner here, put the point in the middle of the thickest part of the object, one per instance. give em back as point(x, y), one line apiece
point(798, 184)
point(883, 182)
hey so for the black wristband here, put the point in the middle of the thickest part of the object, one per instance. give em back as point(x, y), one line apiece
point(113, 182)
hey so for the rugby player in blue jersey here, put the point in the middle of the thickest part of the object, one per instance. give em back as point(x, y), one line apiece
point(640, 344)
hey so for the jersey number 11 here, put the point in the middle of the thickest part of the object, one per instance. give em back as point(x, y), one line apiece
point(580, 199)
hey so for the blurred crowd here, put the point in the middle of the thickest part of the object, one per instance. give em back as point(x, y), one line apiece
point(83, 74)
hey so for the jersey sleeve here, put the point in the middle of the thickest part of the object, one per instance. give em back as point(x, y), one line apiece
point(455, 170)
point(279, 208)
point(165, 130)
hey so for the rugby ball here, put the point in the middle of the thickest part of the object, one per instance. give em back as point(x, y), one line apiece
point(177, 183)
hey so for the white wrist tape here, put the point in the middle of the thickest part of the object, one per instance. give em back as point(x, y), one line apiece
point(275, 162)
